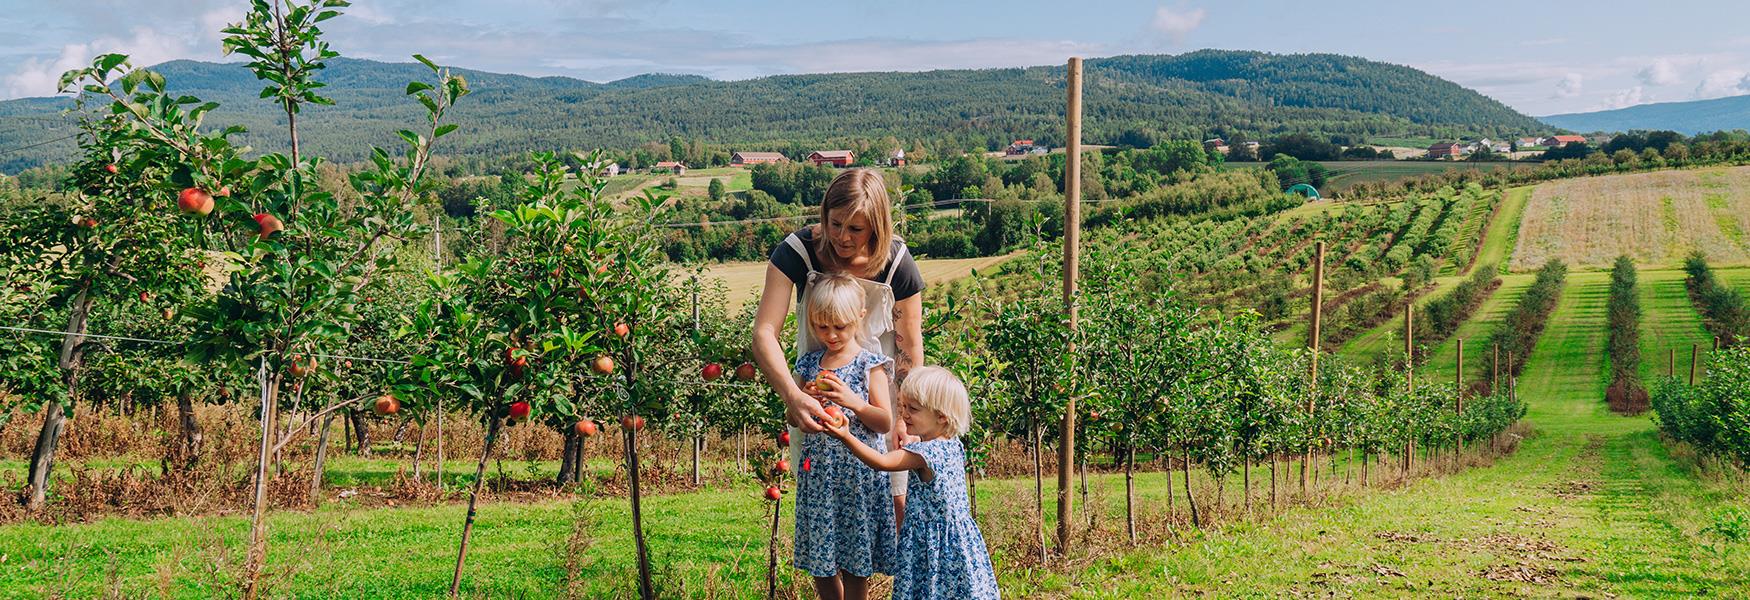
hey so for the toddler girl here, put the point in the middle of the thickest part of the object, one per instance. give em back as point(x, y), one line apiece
point(941, 552)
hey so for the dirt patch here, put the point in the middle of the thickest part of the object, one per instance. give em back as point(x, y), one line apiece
point(1405, 538)
point(1572, 489)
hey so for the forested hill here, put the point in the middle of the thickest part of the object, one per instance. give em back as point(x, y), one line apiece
point(1699, 116)
point(1129, 100)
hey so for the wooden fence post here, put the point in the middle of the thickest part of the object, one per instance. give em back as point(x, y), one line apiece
point(1312, 343)
point(1458, 408)
point(1694, 355)
point(1072, 225)
point(1409, 376)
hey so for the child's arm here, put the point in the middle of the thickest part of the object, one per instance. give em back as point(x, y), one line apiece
point(897, 460)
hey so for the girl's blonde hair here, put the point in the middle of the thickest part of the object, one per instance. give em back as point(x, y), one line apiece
point(857, 192)
point(937, 389)
point(836, 298)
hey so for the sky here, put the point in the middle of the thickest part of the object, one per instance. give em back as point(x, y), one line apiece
point(1545, 57)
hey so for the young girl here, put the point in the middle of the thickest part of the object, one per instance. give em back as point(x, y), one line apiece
point(844, 511)
point(941, 552)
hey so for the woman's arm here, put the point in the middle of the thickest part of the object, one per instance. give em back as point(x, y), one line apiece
point(768, 323)
point(897, 460)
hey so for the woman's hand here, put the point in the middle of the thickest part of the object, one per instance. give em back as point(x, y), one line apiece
point(804, 412)
point(832, 389)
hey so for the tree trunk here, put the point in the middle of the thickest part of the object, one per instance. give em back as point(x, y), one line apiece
point(1039, 487)
point(1083, 466)
point(1129, 495)
point(42, 458)
point(971, 491)
point(257, 557)
point(1246, 477)
point(645, 589)
point(362, 428)
point(401, 430)
point(191, 431)
point(1273, 504)
point(1167, 467)
point(1191, 499)
point(772, 553)
point(321, 463)
point(568, 457)
point(419, 454)
point(579, 469)
point(474, 495)
point(698, 446)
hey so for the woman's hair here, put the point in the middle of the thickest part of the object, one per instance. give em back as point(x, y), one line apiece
point(836, 298)
point(937, 389)
point(854, 192)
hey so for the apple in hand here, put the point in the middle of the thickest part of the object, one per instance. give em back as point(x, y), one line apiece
point(835, 417)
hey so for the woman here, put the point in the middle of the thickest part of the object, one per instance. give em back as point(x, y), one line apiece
point(855, 237)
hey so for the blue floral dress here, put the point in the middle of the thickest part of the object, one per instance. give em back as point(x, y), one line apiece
point(844, 509)
point(941, 552)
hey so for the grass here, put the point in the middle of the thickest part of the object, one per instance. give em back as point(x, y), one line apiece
point(1503, 230)
point(1443, 359)
point(1669, 322)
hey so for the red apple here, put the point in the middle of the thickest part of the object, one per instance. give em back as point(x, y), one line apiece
point(782, 466)
point(745, 372)
point(783, 439)
point(713, 371)
point(302, 367)
point(195, 201)
point(519, 410)
point(145, 296)
point(88, 223)
point(603, 365)
point(772, 493)
point(632, 422)
point(269, 224)
point(621, 329)
point(586, 428)
point(169, 314)
point(111, 168)
point(387, 405)
point(835, 417)
point(223, 191)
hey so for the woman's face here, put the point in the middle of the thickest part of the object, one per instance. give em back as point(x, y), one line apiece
point(849, 233)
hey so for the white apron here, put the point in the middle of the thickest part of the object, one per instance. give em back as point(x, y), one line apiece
point(877, 332)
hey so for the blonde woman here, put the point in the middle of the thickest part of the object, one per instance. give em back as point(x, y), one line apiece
point(854, 237)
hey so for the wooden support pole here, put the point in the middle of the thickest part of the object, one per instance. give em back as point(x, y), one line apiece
point(1671, 363)
point(1072, 233)
point(1495, 367)
point(1458, 407)
point(1312, 344)
point(1409, 375)
point(1694, 357)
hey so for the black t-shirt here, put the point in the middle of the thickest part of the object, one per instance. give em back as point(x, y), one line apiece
point(907, 280)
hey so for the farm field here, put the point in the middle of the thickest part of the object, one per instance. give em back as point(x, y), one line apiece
point(744, 279)
point(1347, 173)
point(1669, 320)
point(1659, 218)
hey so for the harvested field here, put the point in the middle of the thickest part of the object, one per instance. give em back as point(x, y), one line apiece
point(1658, 218)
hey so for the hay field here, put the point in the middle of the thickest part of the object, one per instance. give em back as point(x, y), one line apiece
point(1658, 218)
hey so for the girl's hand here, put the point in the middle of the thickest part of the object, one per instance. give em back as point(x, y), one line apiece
point(835, 390)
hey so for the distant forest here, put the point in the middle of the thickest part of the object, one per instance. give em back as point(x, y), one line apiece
point(1129, 101)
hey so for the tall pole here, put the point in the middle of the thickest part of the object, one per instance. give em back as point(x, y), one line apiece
point(1694, 357)
point(698, 428)
point(1458, 408)
point(1312, 343)
point(437, 261)
point(1072, 234)
point(1495, 368)
point(1409, 375)
point(1671, 363)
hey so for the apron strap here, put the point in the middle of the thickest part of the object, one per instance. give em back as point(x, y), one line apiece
point(897, 257)
point(801, 249)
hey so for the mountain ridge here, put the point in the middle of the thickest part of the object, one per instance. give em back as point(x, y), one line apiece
point(1687, 117)
point(1129, 100)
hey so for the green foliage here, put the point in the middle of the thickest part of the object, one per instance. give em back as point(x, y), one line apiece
point(1723, 310)
point(1625, 393)
point(1714, 414)
point(1440, 317)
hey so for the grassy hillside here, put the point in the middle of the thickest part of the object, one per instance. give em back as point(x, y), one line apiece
point(1658, 218)
point(1129, 100)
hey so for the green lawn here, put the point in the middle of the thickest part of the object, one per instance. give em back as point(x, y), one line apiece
point(1503, 232)
point(1669, 322)
point(1476, 332)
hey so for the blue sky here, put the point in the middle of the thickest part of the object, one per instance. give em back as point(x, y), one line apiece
point(1542, 57)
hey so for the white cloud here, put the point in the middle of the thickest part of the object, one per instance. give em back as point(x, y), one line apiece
point(369, 14)
point(1570, 85)
point(1176, 24)
point(1625, 98)
point(1661, 72)
point(146, 46)
point(1726, 82)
